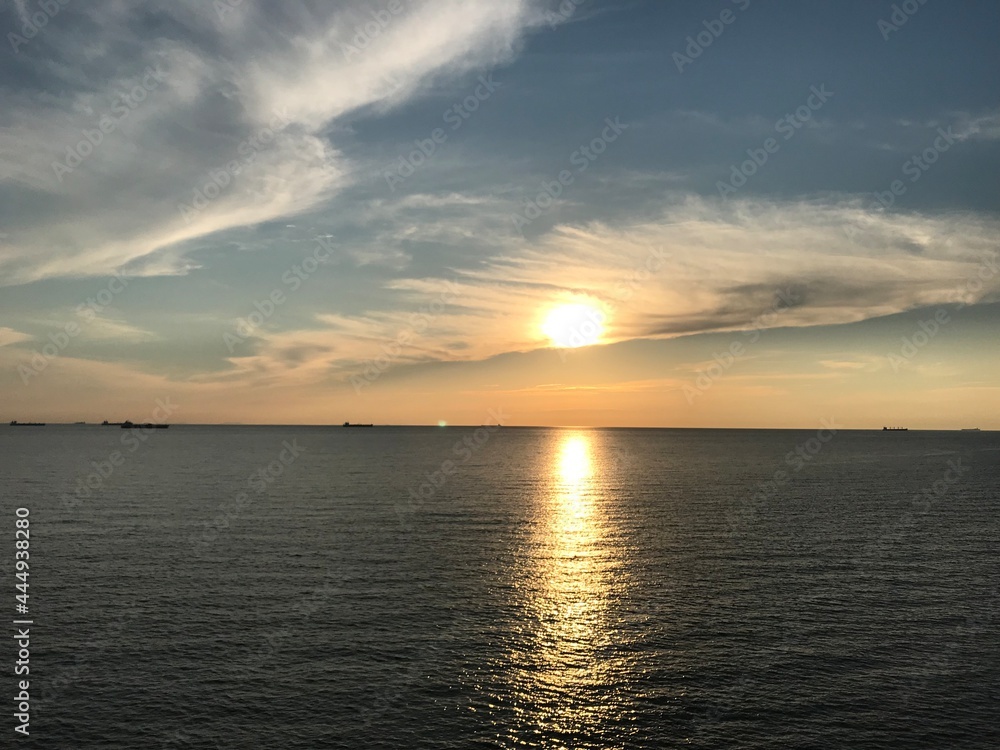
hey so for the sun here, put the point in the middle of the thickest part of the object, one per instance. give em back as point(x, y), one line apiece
point(573, 326)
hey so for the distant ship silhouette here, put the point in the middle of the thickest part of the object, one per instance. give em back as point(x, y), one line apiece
point(348, 424)
point(895, 429)
point(15, 423)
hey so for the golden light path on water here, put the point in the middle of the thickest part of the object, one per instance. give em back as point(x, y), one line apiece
point(568, 673)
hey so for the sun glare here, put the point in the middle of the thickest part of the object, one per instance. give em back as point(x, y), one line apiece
point(572, 326)
point(574, 461)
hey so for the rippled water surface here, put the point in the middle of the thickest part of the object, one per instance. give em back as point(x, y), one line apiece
point(448, 588)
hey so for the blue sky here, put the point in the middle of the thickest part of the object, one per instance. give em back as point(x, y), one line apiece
point(457, 169)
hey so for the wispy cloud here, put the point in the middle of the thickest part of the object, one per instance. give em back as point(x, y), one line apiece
point(10, 336)
point(985, 127)
point(725, 265)
point(102, 328)
point(237, 133)
point(966, 126)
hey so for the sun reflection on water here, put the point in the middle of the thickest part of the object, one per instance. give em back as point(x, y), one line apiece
point(573, 503)
point(567, 672)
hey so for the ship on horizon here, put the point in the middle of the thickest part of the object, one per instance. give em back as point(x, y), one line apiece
point(15, 423)
point(895, 429)
point(348, 424)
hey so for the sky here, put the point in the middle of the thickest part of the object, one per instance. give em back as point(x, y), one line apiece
point(757, 214)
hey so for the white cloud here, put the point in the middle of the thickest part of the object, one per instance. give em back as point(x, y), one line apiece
point(221, 88)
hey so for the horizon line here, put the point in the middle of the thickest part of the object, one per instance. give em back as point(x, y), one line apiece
point(520, 426)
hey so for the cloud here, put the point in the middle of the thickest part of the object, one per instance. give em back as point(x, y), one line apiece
point(967, 126)
point(10, 336)
point(854, 364)
point(21, 6)
point(233, 130)
point(730, 264)
point(984, 127)
point(258, 116)
point(701, 266)
point(102, 328)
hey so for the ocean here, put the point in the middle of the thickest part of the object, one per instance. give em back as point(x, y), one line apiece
point(474, 587)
